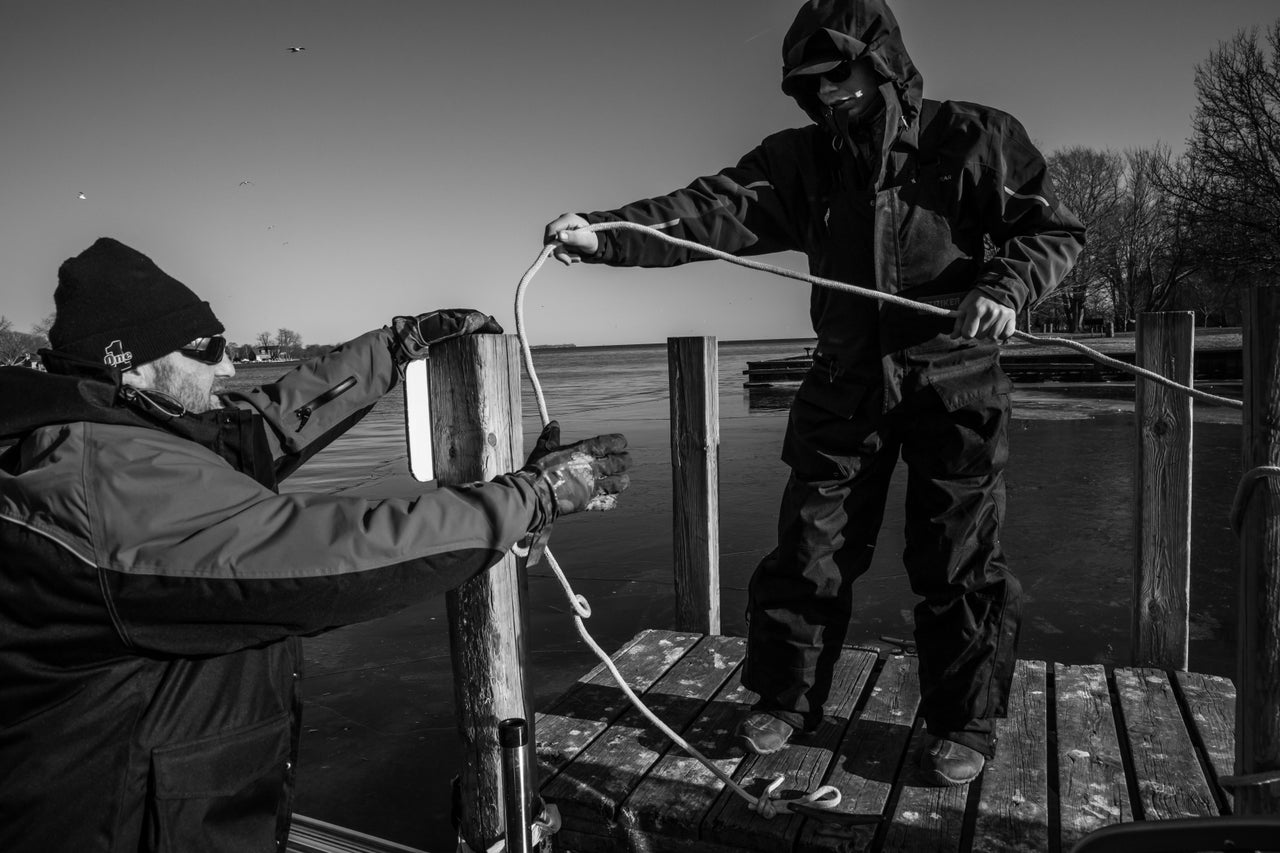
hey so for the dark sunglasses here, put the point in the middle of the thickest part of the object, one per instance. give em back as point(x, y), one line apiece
point(208, 350)
point(841, 73)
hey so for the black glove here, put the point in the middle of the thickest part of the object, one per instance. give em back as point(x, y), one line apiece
point(416, 334)
point(587, 475)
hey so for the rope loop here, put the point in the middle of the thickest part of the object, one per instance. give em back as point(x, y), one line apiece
point(770, 803)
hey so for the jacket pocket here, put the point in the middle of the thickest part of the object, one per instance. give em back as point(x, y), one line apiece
point(833, 388)
point(221, 793)
point(962, 385)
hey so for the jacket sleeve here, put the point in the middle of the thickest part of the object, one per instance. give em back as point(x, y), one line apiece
point(321, 398)
point(205, 560)
point(740, 210)
point(1037, 239)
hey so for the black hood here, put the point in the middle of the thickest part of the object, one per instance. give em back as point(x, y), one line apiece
point(853, 29)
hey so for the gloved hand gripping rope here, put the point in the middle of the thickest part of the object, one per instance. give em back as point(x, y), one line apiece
point(827, 797)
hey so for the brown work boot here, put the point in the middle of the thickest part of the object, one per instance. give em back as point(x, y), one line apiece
point(948, 763)
point(764, 734)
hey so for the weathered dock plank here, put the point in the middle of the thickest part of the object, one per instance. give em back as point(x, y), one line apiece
point(1170, 781)
point(926, 819)
point(1013, 810)
point(679, 790)
point(869, 758)
point(1092, 791)
point(587, 709)
point(803, 765)
point(1211, 701)
point(604, 773)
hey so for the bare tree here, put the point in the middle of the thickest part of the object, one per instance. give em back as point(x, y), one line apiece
point(288, 340)
point(15, 346)
point(264, 339)
point(42, 328)
point(1153, 254)
point(1229, 178)
point(8, 341)
point(1089, 183)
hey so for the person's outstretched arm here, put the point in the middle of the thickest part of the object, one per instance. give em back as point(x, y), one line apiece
point(755, 207)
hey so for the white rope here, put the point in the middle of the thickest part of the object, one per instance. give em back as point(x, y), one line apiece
point(827, 796)
point(902, 301)
point(767, 804)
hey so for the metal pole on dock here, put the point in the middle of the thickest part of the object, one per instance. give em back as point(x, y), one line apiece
point(695, 480)
point(476, 435)
point(1258, 643)
point(513, 737)
point(1162, 490)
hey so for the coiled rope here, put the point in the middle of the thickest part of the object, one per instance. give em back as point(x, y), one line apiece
point(828, 796)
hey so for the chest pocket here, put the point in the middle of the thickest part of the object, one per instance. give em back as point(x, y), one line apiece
point(222, 793)
point(938, 247)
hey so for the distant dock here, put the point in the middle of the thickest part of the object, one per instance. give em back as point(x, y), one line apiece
point(1218, 358)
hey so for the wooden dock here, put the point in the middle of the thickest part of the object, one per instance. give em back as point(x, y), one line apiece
point(1084, 746)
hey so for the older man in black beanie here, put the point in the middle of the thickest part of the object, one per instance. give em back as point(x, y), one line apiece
point(154, 584)
point(115, 305)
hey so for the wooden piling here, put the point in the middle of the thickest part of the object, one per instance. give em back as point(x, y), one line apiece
point(1258, 634)
point(476, 435)
point(1162, 491)
point(695, 480)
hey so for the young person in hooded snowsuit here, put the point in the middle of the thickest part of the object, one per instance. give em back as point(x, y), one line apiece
point(154, 584)
point(946, 203)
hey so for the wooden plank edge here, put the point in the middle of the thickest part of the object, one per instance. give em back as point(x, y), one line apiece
point(605, 815)
point(548, 725)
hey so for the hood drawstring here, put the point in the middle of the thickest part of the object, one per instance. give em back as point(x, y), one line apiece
point(153, 401)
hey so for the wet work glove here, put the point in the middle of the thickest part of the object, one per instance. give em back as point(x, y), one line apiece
point(415, 334)
point(581, 477)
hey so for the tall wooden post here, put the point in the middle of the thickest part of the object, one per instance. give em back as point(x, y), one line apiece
point(1258, 644)
point(1162, 487)
point(476, 435)
point(695, 480)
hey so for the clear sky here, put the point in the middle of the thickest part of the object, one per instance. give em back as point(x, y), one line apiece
point(410, 156)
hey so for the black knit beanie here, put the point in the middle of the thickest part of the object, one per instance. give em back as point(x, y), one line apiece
point(115, 305)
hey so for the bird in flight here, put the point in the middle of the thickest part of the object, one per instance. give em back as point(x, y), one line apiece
point(81, 195)
point(296, 49)
point(246, 183)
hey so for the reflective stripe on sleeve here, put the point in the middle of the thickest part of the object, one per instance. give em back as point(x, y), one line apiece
point(1028, 197)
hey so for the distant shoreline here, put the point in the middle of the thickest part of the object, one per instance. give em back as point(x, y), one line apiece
point(1206, 338)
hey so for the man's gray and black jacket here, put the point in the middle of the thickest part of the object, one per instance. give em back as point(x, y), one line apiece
point(952, 197)
point(153, 586)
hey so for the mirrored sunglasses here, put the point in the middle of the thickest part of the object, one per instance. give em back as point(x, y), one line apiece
point(208, 350)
